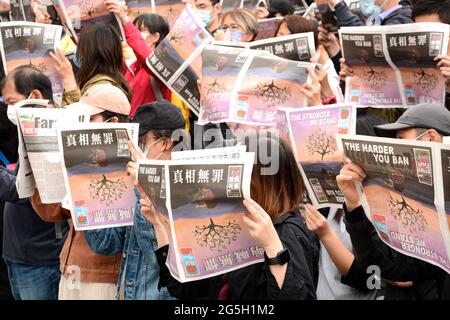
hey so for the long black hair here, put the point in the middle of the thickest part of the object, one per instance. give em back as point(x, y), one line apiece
point(100, 52)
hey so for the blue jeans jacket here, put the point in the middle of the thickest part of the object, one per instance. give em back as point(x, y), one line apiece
point(137, 244)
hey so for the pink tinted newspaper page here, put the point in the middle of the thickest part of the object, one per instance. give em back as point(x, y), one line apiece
point(402, 194)
point(312, 133)
point(95, 157)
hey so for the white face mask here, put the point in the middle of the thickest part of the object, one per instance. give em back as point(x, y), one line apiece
point(147, 150)
point(11, 112)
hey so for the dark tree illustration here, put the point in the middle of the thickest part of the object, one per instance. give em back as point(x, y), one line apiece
point(171, 15)
point(321, 142)
point(215, 236)
point(375, 79)
point(424, 80)
point(107, 191)
point(177, 36)
point(88, 7)
point(409, 217)
point(214, 89)
point(271, 94)
point(41, 66)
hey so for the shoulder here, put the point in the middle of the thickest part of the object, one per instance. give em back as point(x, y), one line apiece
point(292, 225)
point(98, 79)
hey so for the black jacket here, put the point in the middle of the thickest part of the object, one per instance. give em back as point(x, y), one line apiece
point(256, 282)
point(429, 281)
point(346, 18)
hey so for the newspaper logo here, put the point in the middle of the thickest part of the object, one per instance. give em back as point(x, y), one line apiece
point(234, 182)
point(189, 263)
point(302, 49)
point(198, 39)
point(122, 143)
point(318, 191)
point(81, 213)
point(28, 125)
point(242, 107)
point(344, 121)
point(380, 224)
point(49, 35)
point(378, 46)
point(423, 165)
point(435, 44)
point(410, 95)
point(355, 93)
point(180, 83)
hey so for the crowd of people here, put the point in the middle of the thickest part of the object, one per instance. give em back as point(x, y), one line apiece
point(329, 250)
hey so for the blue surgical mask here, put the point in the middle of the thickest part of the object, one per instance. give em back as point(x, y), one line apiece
point(236, 36)
point(205, 16)
point(369, 8)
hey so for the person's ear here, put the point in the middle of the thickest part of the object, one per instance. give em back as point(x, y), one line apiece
point(217, 7)
point(36, 94)
point(156, 37)
point(434, 135)
point(114, 120)
point(168, 143)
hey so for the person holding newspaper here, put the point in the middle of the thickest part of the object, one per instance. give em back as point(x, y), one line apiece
point(85, 274)
point(139, 270)
point(291, 252)
point(31, 246)
point(423, 280)
point(99, 53)
point(142, 34)
point(329, 82)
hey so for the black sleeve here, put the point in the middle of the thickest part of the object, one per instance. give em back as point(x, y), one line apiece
point(345, 17)
point(336, 63)
point(371, 250)
point(298, 281)
point(184, 291)
point(356, 277)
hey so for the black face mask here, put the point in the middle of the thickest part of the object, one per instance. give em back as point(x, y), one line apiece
point(8, 135)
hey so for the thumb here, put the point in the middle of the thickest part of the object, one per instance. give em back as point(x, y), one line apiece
point(141, 191)
point(136, 153)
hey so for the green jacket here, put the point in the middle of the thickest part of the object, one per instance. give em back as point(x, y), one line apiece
point(73, 96)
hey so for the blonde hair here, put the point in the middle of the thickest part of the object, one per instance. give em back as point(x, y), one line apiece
point(243, 17)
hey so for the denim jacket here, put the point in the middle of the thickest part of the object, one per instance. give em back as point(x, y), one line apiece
point(137, 244)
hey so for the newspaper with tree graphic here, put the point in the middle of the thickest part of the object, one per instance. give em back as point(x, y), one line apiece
point(203, 202)
point(177, 59)
point(297, 47)
point(95, 156)
point(312, 132)
point(37, 123)
point(394, 65)
point(29, 43)
point(404, 194)
point(246, 86)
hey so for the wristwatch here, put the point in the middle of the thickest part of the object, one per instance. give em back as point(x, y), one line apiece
point(281, 258)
